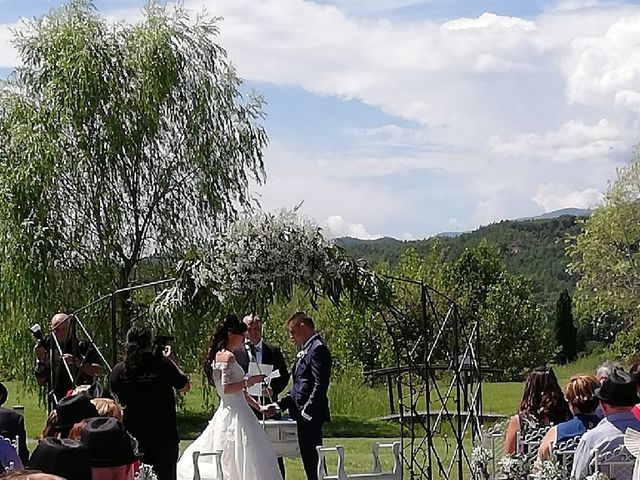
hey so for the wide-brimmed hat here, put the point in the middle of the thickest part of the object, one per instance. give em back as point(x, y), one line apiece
point(618, 390)
point(95, 390)
point(109, 443)
point(63, 457)
point(74, 408)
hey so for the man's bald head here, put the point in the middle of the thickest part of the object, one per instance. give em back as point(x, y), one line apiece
point(60, 326)
point(58, 319)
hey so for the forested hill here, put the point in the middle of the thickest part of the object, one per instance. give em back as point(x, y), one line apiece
point(533, 248)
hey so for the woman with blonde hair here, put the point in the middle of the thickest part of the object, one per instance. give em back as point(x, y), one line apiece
point(108, 407)
point(580, 393)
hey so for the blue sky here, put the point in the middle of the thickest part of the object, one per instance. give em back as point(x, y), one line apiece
point(407, 118)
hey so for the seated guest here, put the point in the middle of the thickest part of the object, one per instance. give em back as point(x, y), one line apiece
point(602, 373)
point(70, 410)
point(112, 450)
point(74, 433)
point(108, 408)
point(30, 475)
point(12, 426)
point(580, 393)
point(604, 370)
point(66, 458)
point(50, 426)
point(542, 404)
point(8, 456)
point(634, 371)
point(617, 397)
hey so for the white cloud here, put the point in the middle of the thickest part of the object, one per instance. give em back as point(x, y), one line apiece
point(576, 4)
point(601, 68)
point(8, 54)
point(554, 196)
point(573, 141)
point(501, 107)
point(339, 227)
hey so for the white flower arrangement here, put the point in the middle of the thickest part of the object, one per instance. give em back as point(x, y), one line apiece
point(514, 467)
point(548, 470)
point(480, 458)
point(264, 257)
point(597, 476)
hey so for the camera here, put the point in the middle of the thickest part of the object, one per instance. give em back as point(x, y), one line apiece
point(160, 342)
point(36, 331)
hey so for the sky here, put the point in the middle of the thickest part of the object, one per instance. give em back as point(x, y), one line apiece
point(408, 118)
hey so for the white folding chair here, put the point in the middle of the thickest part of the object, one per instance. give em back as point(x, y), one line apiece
point(375, 474)
point(218, 463)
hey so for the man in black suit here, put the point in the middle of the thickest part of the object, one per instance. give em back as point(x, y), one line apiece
point(307, 401)
point(12, 426)
point(261, 352)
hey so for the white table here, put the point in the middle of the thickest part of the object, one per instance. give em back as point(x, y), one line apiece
point(284, 437)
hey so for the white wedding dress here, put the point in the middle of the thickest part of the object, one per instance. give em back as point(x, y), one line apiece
point(247, 453)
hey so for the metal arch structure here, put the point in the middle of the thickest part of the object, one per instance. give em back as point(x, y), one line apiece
point(435, 386)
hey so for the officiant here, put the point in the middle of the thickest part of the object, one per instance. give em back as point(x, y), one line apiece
point(258, 351)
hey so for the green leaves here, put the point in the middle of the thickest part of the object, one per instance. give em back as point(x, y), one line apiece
point(606, 253)
point(118, 142)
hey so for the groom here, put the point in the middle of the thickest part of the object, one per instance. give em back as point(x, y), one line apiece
point(307, 401)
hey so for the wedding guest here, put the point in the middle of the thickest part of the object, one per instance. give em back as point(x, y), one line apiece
point(617, 397)
point(108, 407)
point(12, 425)
point(66, 458)
point(580, 393)
point(542, 404)
point(30, 475)
point(112, 451)
point(604, 370)
point(634, 371)
point(70, 410)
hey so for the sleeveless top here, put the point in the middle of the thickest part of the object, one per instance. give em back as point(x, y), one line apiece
point(575, 427)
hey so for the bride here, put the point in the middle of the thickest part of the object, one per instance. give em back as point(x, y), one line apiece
point(247, 453)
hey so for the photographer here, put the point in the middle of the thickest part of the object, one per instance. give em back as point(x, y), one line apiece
point(80, 358)
point(144, 383)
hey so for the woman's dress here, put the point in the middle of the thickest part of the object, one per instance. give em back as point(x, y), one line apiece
point(247, 453)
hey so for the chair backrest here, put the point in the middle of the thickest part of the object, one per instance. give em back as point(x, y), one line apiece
point(616, 464)
point(375, 474)
point(322, 463)
point(218, 461)
point(528, 444)
point(565, 450)
point(492, 439)
point(396, 469)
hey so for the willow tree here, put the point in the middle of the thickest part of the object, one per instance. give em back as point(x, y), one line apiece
point(118, 142)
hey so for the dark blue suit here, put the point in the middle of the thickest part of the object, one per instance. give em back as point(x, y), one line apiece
point(307, 401)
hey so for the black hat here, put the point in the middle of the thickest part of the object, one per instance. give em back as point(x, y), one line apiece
point(74, 408)
point(109, 443)
point(618, 390)
point(63, 457)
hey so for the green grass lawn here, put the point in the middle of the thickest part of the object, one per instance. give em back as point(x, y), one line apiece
point(355, 408)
